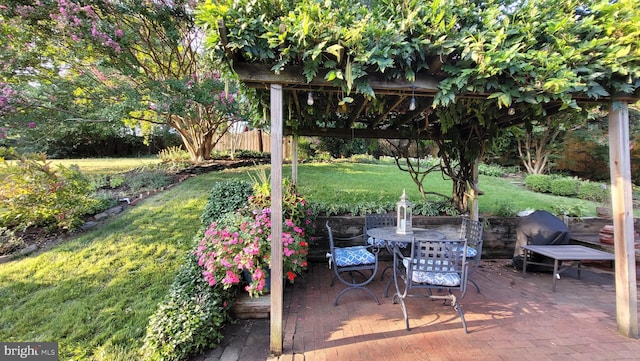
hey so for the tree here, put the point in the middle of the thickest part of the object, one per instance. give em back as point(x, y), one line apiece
point(137, 61)
point(537, 142)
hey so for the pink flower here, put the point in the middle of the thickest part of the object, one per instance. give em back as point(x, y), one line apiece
point(231, 278)
point(32, 125)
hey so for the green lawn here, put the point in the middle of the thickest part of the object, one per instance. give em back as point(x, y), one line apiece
point(94, 294)
point(340, 183)
point(91, 166)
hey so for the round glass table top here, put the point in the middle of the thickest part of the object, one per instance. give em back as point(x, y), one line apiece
point(390, 234)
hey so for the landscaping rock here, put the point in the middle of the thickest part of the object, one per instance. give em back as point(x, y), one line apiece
point(88, 225)
point(114, 210)
point(100, 216)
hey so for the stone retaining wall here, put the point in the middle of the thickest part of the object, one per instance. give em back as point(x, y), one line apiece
point(499, 233)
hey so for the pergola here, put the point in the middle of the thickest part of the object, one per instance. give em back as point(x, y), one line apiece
point(407, 113)
point(621, 195)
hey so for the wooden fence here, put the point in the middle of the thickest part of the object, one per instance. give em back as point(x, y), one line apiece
point(250, 140)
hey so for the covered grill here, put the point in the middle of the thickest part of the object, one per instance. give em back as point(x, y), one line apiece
point(539, 228)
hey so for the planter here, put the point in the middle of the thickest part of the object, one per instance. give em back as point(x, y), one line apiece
point(267, 282)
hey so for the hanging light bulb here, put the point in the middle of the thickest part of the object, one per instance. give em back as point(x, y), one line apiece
point(310, 99)
point(412, 105)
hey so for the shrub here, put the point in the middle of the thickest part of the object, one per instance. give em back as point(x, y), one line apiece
point(567, 210)
point(425, 208)
point(241, 241)
point(9, 242)
point(148, 180)
point(116, 180)
point(538, 183)
point(493, 170)
point(250, 154)
point(594, 191)
point(505, 209)
point(447, 208)
point(363, 158)
point(322, 156)
point(174, 157)
point(564, 186)
point(34, 194)
point(224, 197)
point(190, 319)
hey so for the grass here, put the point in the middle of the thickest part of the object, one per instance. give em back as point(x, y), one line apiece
point(346, 183)
point(99, 166)
point(94, 294)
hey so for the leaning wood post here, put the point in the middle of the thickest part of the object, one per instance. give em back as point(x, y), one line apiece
point(276, 221)
point(622, 211)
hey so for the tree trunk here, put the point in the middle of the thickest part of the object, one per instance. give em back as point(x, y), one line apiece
point(459, 199)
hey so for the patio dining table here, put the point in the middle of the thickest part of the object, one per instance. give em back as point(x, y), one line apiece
point(393, 240)
point(390, 235)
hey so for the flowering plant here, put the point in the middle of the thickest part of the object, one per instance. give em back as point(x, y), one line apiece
point(242, 242)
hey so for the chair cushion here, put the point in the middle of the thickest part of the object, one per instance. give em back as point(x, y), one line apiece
point(425, 274)
point(380, 243)
point(471, 252)
point(353, 256)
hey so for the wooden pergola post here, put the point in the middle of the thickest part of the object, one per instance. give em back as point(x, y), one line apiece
point(294, 159)
point(276, 221)
point(622, 208)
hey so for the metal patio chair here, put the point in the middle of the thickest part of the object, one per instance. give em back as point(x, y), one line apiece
point(381, 220)
point(433, 265)
point(472, 232)
point(354, 266)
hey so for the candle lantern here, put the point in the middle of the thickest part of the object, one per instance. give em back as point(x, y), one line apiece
point(404, 215)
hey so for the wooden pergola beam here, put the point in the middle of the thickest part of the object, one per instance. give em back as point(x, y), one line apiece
point(348, 133)
point(261, 76)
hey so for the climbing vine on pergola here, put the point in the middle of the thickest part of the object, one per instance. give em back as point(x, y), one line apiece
point(365, 61)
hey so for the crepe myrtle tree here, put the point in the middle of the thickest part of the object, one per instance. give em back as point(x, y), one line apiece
point(135, 61)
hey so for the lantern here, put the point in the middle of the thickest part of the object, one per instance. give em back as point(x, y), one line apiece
point(404, 215)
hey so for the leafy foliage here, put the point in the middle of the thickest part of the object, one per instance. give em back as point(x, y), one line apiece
point(112, 61)
point(495, 170)
point(505, 209)
point(225, 197)
point(538, 183)
point(568, 187)
point(190, 318)
point(32, 193)
point(594, 191)
point(565, 186)
point(9, 241)
point(517, 52)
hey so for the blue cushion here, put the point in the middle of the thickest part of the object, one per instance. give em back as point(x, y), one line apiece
point(353, 256)
point(471, 252)
point(425, 273)
point(380, 243)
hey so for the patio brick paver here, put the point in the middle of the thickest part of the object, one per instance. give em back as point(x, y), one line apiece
point(516, 317)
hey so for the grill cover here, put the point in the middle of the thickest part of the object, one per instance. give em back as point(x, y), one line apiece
point(539, 228)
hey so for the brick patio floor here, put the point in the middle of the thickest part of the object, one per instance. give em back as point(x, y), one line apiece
point(515, 317)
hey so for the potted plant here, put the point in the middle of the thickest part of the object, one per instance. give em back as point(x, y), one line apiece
point(241, 243)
